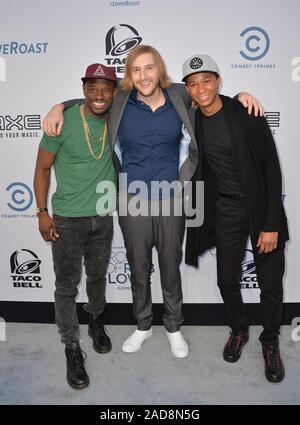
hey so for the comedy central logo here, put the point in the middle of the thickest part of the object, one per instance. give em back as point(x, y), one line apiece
point(19, 202)
point(119, 40)
point(21, 196)
point(249, 277)
point(257, 43)
point(255, 46)
point(25, 269)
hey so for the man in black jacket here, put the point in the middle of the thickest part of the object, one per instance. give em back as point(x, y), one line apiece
point(239, 165)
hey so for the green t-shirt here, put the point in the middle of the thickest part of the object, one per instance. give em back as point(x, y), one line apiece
point(77, 172)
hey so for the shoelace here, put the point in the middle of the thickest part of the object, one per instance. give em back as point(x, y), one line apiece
point(100, 328)
point(272, 356)
point(235, 341)
point(78, 357)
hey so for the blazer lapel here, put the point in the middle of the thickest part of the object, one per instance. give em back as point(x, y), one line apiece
point(180, 107)
point(115, 116)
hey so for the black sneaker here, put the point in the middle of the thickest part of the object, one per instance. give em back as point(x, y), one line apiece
point(274, 369)
point(234, 346)
point(76, 373)
point(97, 331)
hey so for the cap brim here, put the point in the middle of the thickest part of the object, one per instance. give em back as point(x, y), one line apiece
point(84, 79)
point(199, 72)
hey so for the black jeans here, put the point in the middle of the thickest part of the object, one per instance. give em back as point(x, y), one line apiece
point(232, 232)
point(89, 238)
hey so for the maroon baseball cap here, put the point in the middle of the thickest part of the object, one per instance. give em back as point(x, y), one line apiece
point(97, 70)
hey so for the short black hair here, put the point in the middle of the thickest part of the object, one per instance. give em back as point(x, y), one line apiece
point(201, 72)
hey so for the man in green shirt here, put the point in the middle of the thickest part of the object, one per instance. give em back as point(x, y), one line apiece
point(81, 226)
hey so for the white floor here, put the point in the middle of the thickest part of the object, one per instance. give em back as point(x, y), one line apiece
point(33, 369)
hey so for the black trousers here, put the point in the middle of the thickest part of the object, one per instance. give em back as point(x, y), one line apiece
point(232, 232)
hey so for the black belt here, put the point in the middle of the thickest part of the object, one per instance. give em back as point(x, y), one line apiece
point(233, 196)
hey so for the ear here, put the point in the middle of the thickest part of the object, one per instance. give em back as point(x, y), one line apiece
point(84, 89)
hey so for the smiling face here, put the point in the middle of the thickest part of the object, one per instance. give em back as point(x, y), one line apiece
point(145, 75)
point(203, 88)
point(99, 96)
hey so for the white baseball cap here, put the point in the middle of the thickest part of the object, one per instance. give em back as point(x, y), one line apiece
point(199, 63)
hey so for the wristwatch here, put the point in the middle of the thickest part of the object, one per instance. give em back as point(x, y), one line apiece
point(38, 210)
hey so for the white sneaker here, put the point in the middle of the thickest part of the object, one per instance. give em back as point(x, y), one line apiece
point(135, 341)
point(179, 345)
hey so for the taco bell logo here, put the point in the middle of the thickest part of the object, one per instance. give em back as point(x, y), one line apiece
point(249, 277)
point(25, 269)
point(119, 40)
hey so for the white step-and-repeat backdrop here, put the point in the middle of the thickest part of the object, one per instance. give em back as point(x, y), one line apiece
point(45, 47)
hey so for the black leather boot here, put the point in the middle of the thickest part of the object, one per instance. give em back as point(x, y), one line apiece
point(76, 373)
point(234, 346)
point(101, 341)
point(274, 369)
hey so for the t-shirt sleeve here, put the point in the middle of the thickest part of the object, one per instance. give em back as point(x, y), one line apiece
point(50, 144)
point(70, 103)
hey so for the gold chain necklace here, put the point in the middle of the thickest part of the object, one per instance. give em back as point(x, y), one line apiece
point(87, 135)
